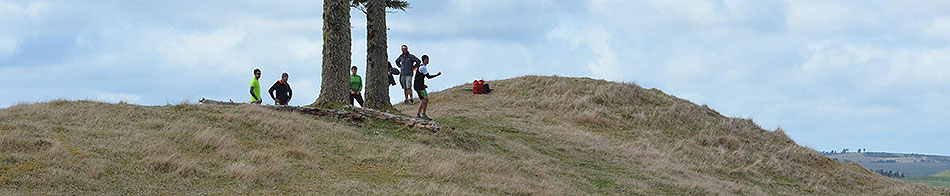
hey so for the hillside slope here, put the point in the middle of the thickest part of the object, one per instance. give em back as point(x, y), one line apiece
point(533, 135)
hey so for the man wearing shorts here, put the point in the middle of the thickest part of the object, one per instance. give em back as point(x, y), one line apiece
point(420, 87)
point(406, 63)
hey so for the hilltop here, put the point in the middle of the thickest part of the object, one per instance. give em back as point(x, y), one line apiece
point(533, 135)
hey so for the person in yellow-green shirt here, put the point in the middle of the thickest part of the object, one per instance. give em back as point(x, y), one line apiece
point(256, 88)
point(356, 84)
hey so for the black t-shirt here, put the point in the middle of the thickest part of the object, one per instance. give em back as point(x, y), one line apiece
point(419, 82)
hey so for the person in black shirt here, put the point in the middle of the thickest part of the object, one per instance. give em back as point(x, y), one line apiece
point(420, 86)
point(284, 93)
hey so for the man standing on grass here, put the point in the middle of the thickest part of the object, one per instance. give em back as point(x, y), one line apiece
point(406, 63)
point(356, 84)
point(284, 93)
point(420, 87)
point(256, 87)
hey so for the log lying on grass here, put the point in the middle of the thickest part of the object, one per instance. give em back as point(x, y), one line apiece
point(347, 113)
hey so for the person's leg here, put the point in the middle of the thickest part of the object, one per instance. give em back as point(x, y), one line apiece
point(406, 82)
point(424, 100)
point(419, 111)
point(424, 105)
point(351, 99)
point(359, 99)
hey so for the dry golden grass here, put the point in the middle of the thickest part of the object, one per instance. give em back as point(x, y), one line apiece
point(583, 136)
point(533, 136)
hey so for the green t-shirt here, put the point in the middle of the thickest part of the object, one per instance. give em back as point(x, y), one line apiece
point(356, 83)
point(257, 89)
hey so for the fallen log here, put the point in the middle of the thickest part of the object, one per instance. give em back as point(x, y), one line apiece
point(351, 112)
point(399, 119)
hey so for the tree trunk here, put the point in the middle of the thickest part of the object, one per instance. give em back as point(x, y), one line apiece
point(377, 60)
point(336, 54)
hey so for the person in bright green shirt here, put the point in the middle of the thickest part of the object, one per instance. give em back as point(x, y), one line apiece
point(256, 88)
point(356, 84)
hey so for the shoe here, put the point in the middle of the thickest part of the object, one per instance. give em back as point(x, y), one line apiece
point(419, 117)
point(425, 117)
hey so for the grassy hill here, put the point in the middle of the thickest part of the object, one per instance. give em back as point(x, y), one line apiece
point(532, 136)
point(939, 179)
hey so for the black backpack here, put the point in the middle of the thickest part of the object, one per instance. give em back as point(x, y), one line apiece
point(486, 88)
point(392, 71)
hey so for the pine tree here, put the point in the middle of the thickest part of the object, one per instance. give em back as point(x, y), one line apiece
point(377, 63)
point(337, 44)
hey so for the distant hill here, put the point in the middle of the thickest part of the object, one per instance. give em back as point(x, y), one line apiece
point(909, 164)
point(533, 135)
point(945, 173)
point(939, 179)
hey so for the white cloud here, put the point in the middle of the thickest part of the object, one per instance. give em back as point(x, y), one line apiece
point(20, 12)
point(8, 47)
point(869, 67)
point(302, 48)
point(938, 29)
point(918, 67)
point(822, 17)
point(594, 37)
point(659, 16)
point(216, 49)
point(513, 21)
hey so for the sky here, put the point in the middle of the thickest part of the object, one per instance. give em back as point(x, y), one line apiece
point(832, 74)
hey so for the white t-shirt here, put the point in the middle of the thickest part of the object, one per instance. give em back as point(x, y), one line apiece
point(423, 69)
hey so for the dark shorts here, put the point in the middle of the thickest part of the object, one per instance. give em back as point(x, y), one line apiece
point(422, 94)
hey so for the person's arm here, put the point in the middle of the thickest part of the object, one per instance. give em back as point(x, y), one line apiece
point(416, 63)
point(431, 76)
point(398, 63)
point(425, 72)
point(253, 95)
point(290, 93)
point(272, 89)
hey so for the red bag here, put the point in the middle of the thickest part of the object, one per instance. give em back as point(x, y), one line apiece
point(477, 87)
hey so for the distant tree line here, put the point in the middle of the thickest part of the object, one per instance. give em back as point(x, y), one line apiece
point(889, 173)
point(844, 151)
point(881, 155)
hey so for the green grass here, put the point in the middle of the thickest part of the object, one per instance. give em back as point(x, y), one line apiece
point(939, 179)
point(945, 173)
